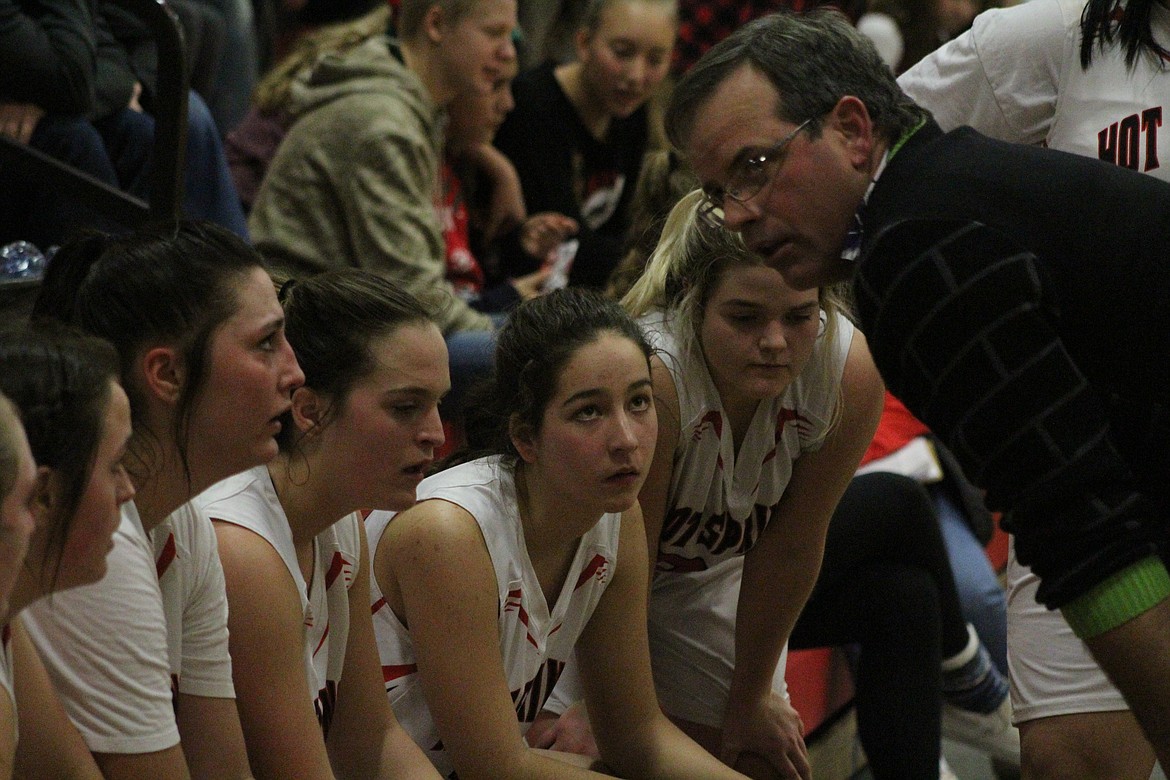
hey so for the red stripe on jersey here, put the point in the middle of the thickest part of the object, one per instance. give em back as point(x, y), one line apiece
point(335, 567)
point(594, 567)
point(324, 636)
point(166, 557)
point(393, 672)
point(377, 605)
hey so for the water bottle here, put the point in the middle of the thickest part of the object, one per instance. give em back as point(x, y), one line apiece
point(21, 260)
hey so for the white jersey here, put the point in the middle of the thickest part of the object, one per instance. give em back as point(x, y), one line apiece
point(719, 503)
point(186, 560)
point(535, 642)
point(249, 500)
point(1016, 75)
point(105, 648)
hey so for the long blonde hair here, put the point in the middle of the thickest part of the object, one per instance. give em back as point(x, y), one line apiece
point(686, 267)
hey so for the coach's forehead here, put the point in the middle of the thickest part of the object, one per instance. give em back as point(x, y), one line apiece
point(738, 118)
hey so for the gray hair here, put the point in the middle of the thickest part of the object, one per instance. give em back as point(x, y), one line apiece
point(813, 60)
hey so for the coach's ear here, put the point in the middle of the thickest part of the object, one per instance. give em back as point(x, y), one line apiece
point(851, 119)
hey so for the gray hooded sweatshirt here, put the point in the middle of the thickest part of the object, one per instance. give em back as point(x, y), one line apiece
point(354, 183)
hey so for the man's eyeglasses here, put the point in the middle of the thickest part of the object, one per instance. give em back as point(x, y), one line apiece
point(746, 180)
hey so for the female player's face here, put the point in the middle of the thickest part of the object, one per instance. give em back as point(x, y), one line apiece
point(757, 334)
point(628, 55)
point(599, 428)
point(90, 537)
point(251, 372)
point(384, 437)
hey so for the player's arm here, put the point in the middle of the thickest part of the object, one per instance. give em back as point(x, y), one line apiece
point(365, 739)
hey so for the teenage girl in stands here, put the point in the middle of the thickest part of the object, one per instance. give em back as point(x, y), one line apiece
point(578, 132)
point(78, 423)
point(513, 561)
point(465, 211)
point(361, 431)
point(141, 658)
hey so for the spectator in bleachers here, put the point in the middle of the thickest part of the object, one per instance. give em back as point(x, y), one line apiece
point(252, 144)
point(238, 69)
point(468, 228)
point(70, 88)
point(48, 51)
point(127, 68)
point(703, 23)
point(356, 180)
point(579, 131)
point(905, 31)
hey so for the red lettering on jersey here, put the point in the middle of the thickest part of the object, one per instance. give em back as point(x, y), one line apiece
point(377, 605)
point(1121, 144)
point(1151, 121)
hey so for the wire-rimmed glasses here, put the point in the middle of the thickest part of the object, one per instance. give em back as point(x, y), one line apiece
point(746, 180)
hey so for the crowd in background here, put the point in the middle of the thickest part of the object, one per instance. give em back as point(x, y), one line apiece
point(463, 428)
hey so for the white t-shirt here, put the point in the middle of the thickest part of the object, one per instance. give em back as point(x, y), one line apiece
point(105, 648)
point(535, 642)
point(249, 500)
point(719, 502)
point(195, 603)
point(1016, 75)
